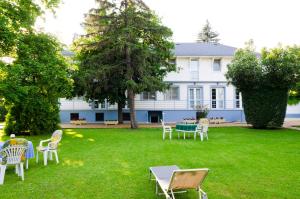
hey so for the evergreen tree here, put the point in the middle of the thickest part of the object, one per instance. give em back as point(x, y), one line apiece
point(125, 50)
point(207, 34)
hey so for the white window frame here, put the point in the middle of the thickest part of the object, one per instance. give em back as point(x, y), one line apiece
point(191, 71)
point(216, 100)
point(148, 99)
point(170, 90)
point(195, 100)
point(212, 66)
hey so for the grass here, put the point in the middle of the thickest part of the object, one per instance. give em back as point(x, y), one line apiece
point(113, 163)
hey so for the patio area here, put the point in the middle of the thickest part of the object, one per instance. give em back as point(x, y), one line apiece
point(114, 163)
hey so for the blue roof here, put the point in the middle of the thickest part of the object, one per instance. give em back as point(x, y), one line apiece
point(203, 49)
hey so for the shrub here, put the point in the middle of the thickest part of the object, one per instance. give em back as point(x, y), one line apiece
point(33, 85)
point(265, 83)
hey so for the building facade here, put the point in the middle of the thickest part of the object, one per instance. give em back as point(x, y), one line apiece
point(199, 81)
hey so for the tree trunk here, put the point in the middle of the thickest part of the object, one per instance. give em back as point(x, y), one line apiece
point(120, 113)
point(130, 72)
point(131, 102)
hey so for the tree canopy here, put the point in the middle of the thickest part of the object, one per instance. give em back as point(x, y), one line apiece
point(18, 17)
point(33, 84)
point(207, 34)
point(264, 81)
point(124, 52)
point(37, 78)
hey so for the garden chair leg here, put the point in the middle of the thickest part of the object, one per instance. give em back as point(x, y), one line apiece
point(56, 156)
point(50, 155)
point(21, 170)
point(2, 173)
point(45, 157)
point(173, 197)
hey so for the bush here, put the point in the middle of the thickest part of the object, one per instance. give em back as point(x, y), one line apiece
point(265, 107)
point(265, 83)
point(33, 85)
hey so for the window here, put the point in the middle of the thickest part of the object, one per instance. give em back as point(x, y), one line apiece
point(126, 116)
point(102, 105)
point(194, 69)
point(237, 99)
point(218, 98)
point(217, 65)
point(74, 116)
point(99, 117)
point(195, 97)
point(148, 96)
point(172, 61)
point(172, 94)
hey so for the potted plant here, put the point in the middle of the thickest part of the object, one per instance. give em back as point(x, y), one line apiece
point(201, 111)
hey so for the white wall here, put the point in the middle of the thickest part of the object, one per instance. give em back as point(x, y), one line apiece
point(205, 65)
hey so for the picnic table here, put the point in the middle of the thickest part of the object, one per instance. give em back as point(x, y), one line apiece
point(29, 153)
point(186, 128)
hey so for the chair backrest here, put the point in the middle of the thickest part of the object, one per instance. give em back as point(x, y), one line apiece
point(187, 179)
point(203, 121)
point(204, 128)
point(55, 139)
point(162, 123)
point(13, 154)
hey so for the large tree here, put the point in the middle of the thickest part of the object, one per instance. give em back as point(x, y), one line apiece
point(33, 85)
point(264, 82)
point(127, 46)
point(18, 17)
point(207, 34)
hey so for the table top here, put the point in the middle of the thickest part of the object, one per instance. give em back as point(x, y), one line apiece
point(186, 127)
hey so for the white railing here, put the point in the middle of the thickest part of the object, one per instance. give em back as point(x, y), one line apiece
point(152, 105)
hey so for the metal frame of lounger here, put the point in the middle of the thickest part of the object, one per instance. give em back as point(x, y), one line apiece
point(170, 173)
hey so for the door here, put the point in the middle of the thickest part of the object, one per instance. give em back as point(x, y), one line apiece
point(195, 97)
point(218, 98)
point(154, 116)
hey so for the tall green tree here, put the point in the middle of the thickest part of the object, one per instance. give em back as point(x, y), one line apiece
point(33, 85)
point(264, 82)
point(207, 34)
point(130, 48)
point(98, 77)
point(18, 17)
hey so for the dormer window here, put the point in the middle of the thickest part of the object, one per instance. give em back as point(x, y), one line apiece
point(217, 65)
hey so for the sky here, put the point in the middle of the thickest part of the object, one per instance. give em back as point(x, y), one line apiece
point(267, 22)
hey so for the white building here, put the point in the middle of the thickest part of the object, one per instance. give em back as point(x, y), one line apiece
point(199, 80)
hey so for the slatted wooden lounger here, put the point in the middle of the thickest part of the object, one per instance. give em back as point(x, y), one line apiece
point(172, 179)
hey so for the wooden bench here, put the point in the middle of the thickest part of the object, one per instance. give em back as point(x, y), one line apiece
point(111, 122)
point(78, 122)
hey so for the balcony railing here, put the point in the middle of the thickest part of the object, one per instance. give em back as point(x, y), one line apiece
point(155, 105)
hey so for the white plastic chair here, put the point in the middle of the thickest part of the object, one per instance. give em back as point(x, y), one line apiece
point(12, 155)
point(202, 130)
point(166, 129)
point(50, 148)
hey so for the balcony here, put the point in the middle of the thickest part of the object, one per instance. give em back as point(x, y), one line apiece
point(155, 105)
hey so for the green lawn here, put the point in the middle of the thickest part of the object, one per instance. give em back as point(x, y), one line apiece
point(113, 163)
